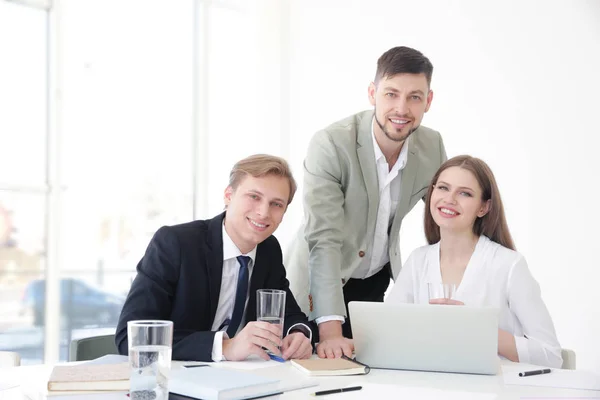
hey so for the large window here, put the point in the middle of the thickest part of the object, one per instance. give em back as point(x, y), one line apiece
point(138, 92)
point(126, 135)
point(23, 189)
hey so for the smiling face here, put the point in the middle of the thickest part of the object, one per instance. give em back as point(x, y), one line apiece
point(400, 102)
point(456, 201)
point(255, 209)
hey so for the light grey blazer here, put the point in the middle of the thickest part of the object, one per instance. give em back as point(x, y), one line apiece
point(341, 198)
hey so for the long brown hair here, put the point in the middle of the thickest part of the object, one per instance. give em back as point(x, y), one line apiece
point(493, 224)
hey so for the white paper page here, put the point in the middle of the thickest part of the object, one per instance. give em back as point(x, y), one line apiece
point(108, 359)
point(289, 377)
point(383, 391)
point(558, 378)
point(181, 364)
point(8, 385)
point(251, 363)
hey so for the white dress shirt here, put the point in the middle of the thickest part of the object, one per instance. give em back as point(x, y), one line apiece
point(495, 277)
point(231, 270)
point(389, 196)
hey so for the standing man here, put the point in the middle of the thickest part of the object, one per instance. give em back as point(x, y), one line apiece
point(362, 175)
point(203, 275)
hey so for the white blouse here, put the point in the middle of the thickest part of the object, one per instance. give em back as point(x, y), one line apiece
point(495, 277)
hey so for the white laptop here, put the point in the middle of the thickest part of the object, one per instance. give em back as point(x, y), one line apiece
point(426, 337)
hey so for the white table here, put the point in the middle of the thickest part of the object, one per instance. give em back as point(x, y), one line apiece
point(486, 386)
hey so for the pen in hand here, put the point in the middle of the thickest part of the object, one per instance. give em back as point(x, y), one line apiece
point(341, 390)
point(536, 372)
point(276, 358)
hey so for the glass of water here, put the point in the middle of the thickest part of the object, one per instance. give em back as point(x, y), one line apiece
point(270, 307)
point(441, 290)
point(150, 359)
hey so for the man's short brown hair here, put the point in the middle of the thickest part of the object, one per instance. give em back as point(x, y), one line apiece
point(403, 60)
point(260, 165)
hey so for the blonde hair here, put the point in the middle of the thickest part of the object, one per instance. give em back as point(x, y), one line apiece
point(493, 224)
point(260, 165)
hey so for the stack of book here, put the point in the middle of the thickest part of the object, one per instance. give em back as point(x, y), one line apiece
point(84, 381)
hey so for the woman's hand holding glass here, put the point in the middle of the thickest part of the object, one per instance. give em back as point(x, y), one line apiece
point(447, 302)
point(442, 293)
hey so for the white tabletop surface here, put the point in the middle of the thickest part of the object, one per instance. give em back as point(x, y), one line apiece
point(376, 385)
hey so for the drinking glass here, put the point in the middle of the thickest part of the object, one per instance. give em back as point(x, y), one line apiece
point(150, 344)
point(270, 307)
point(441, 290)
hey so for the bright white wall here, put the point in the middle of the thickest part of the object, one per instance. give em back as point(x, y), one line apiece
point(516, 84)
point(245, 78)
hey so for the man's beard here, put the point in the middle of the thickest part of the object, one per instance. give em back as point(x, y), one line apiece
point(394, 139)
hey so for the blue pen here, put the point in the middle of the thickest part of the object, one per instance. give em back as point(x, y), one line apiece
point(276, 358)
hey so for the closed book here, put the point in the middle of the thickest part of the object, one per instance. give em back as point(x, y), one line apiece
point(220, 384)
point(330, 367)
point(90, 377)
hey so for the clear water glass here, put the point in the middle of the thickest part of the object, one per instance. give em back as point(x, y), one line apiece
point(150, 359)
point(441, 290)
point(270, 307)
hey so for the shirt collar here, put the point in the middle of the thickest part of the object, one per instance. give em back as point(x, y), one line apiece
point(401, 162)
point(230, 250)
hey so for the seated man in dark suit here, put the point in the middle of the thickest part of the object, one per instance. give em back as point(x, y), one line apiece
point(203, 275)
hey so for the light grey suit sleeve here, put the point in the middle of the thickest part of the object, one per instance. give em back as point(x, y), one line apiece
point(443, 156)
point(324, 225)
point(443, 159)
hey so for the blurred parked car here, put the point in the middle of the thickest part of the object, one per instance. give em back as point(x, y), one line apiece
point(81, 303)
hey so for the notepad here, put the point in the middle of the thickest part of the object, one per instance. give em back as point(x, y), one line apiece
point(220, 384)
point(329, 367)
point(90, 377)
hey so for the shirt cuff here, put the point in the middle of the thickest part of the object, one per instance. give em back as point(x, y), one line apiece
point(327, 318)
point(300, 327)
point(217, 350)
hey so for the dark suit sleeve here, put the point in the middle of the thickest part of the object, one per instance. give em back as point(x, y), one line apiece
point(277, 280)
point(152, 294)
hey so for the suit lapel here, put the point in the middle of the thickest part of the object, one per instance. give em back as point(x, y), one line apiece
point(259, 273)
point(214, 262)
point(366, 159)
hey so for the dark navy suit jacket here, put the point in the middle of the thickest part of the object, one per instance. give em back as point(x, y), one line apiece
point(179, 279)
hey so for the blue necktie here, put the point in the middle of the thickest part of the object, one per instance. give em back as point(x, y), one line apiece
point(240, 296)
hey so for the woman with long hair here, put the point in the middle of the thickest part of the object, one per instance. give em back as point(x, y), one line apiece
point(471, 248)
